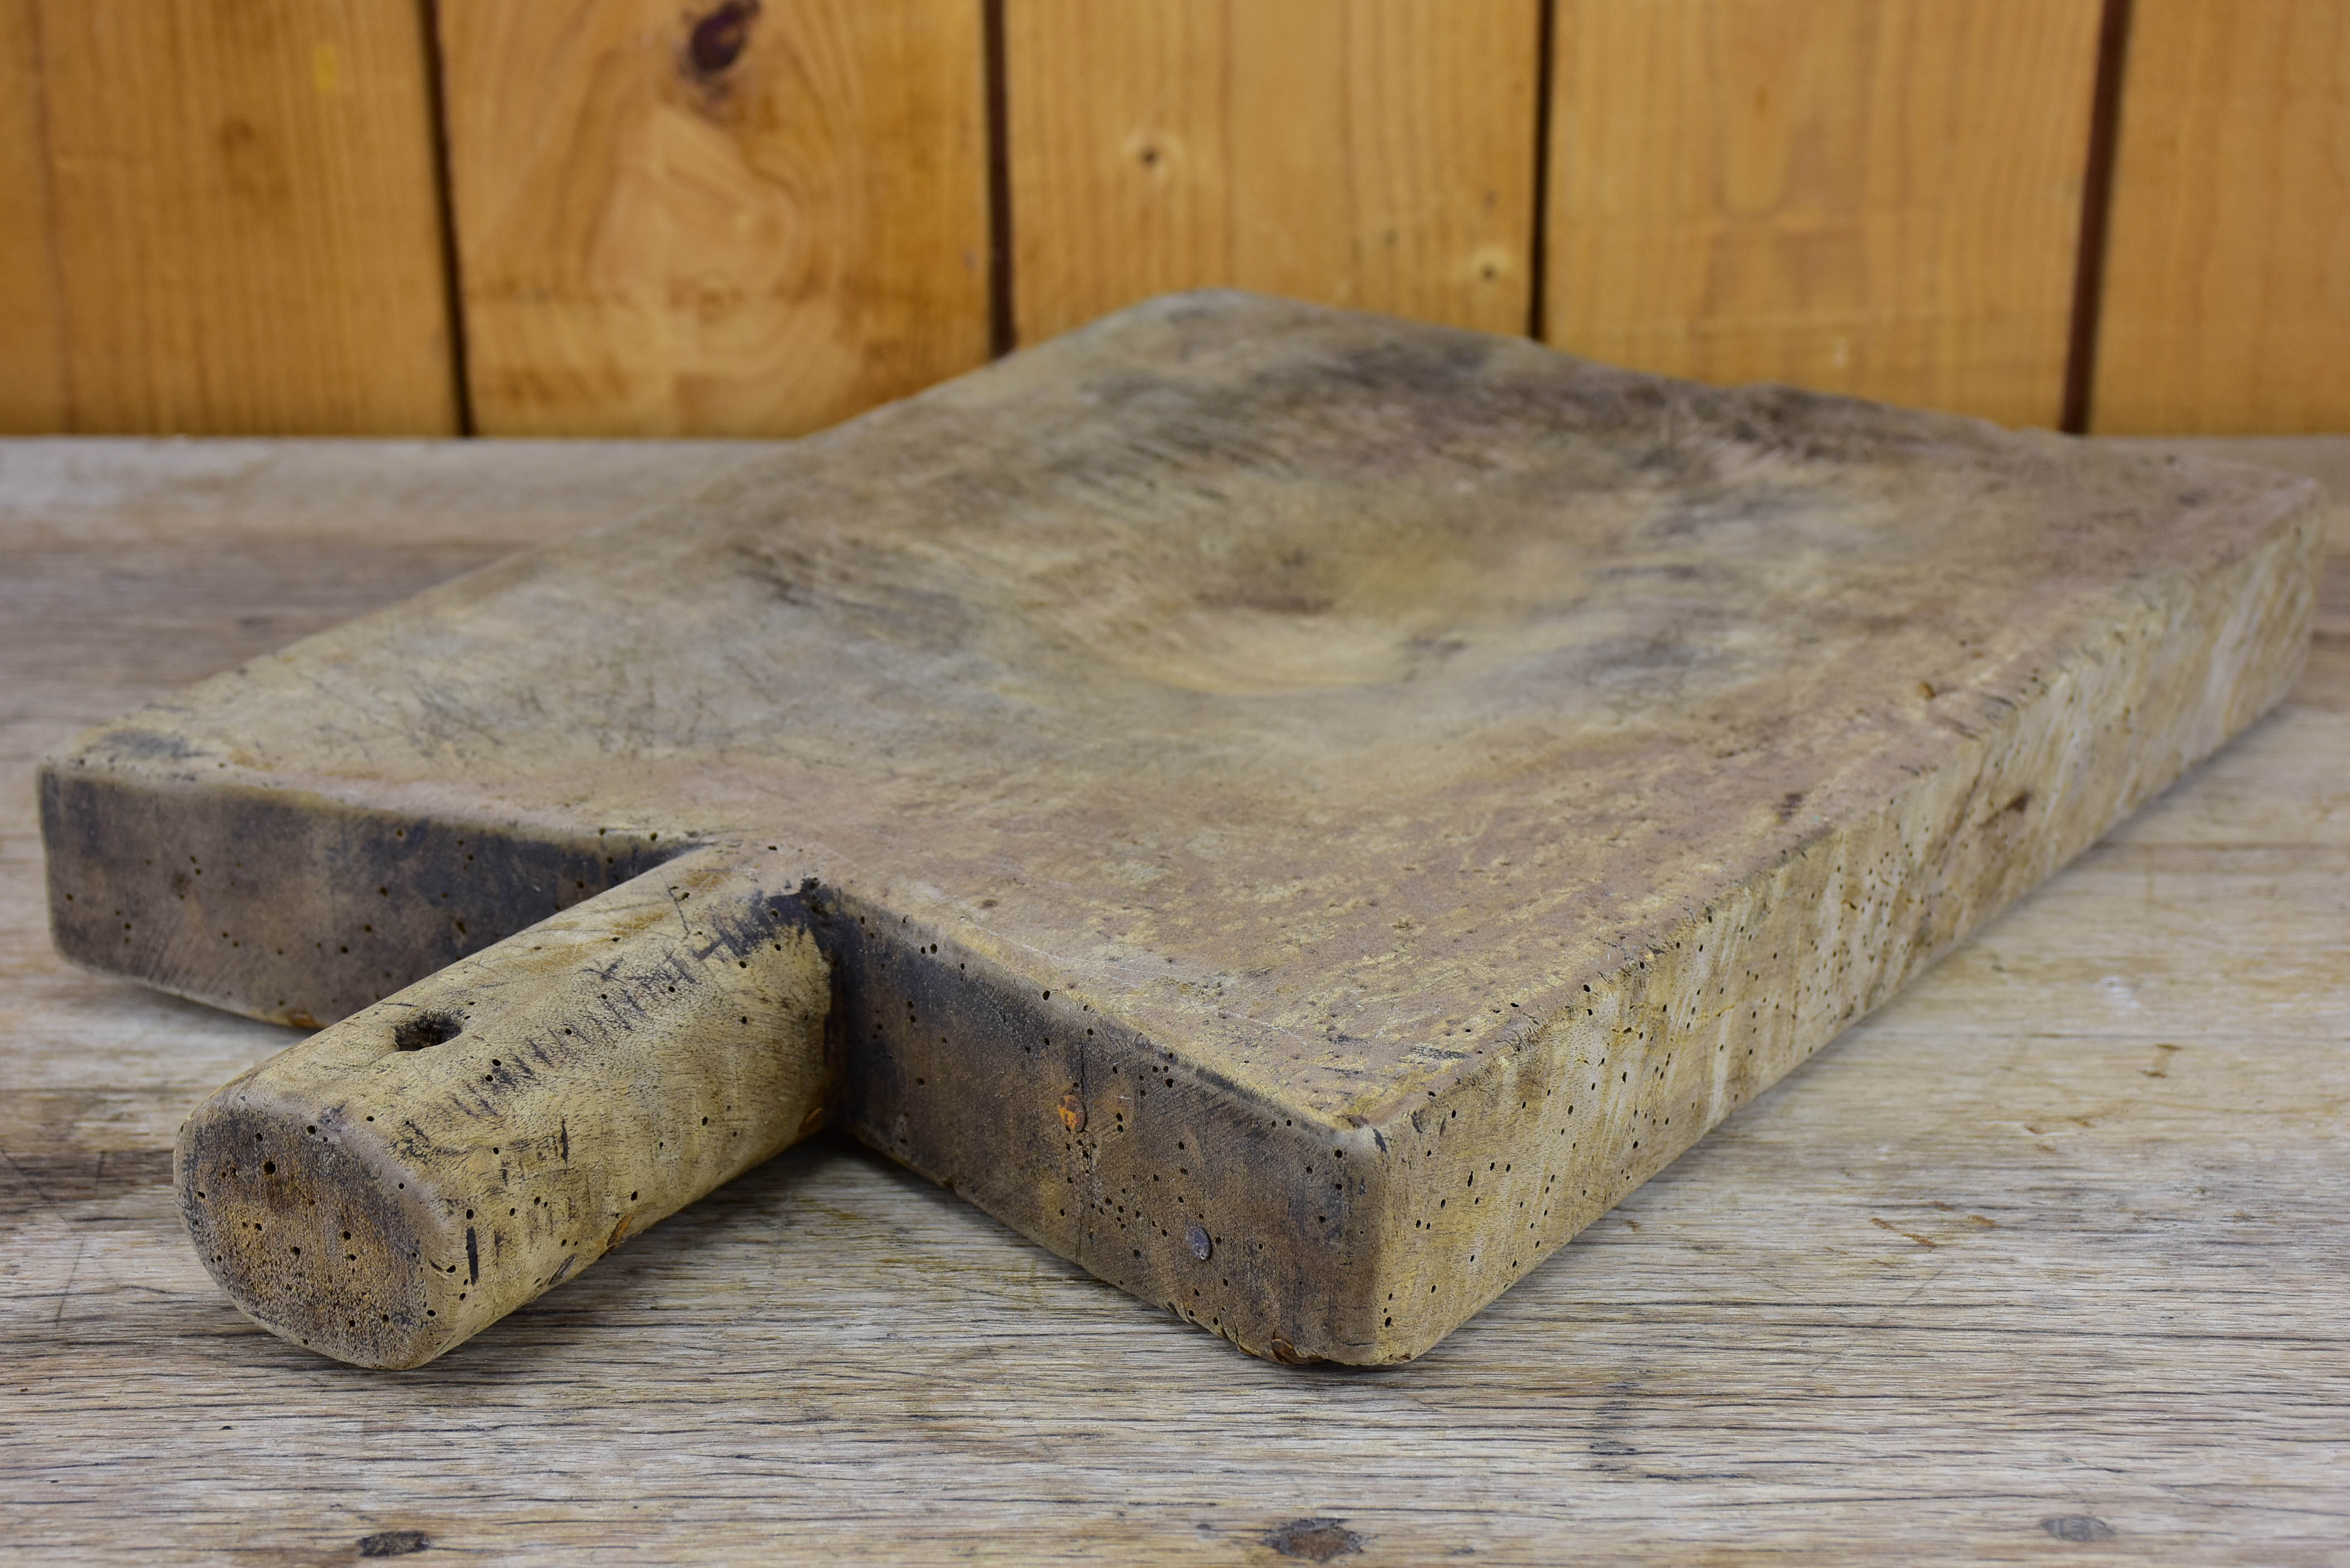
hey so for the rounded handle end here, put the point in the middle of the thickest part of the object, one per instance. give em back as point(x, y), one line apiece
point(401, 1180)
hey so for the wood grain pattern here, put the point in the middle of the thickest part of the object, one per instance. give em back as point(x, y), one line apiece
point(1878, 197)
point(733, 220)
point(1371, 154)
point(242, 226)
point(2227, 281)
point(2135, 1078)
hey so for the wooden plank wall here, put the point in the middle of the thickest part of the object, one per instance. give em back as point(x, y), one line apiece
point(2227, 285)
point(760, 222)
point(222, 215)
point(1861, 196)
point(759, 217)
point(1372, 153)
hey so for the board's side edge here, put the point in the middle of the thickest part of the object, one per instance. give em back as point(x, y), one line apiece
point(285, 905)
point(1017, 1092)
point(1591, 1101)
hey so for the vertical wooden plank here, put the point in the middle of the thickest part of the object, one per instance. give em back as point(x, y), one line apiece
point(246, 223)
point(1880, 197)
point(2227, 283)
point(1374, 153)
point(742, 218)
point(32, 347)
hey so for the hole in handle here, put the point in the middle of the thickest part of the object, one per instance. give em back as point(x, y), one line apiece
point(427, 1029)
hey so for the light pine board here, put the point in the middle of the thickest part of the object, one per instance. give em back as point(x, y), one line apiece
point(1878, 197)
point(737, 220)
point(226, 219)
point(1377, 154)
point(32, 370)
point(2051, 1246)
point(2227, 283)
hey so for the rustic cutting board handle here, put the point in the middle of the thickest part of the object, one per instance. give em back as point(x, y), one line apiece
point(403, 1179)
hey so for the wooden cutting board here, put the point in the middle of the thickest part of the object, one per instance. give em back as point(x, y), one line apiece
point(1295, 811)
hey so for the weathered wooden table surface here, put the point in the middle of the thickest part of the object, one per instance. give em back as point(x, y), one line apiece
point(2047, 1262)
